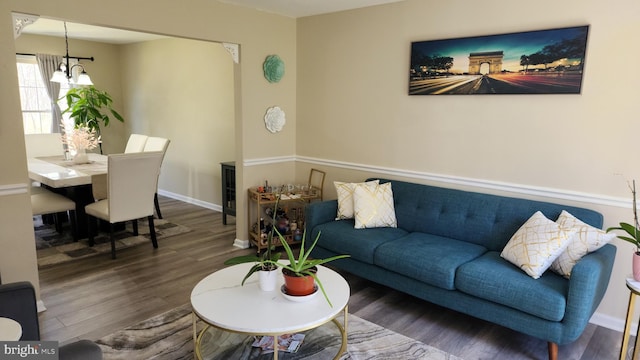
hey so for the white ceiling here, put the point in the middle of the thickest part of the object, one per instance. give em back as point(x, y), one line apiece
point(87, 32)
point(290, 8)
point(300, 8)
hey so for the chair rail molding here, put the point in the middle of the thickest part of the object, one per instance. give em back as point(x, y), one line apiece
point(14, 189)
point(478, 183)
point(269, 160)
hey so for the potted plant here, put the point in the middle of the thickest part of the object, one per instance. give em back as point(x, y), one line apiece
point(86, 105)
point(265, 263)
point(301, 270)
point(633, 232)
point(79, 140)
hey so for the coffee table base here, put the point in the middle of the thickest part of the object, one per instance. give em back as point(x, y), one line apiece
point(197, 336)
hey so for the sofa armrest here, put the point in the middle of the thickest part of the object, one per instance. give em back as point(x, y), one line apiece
point(587, 286)
point(320, 212)
point(18, 302)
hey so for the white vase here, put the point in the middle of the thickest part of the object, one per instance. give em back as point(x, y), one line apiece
point(81, 157)
point(268, 279)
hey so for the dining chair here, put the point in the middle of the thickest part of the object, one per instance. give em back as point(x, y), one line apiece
point(157, 144)
point(45, 202)
point(131, 182)
point(135, 143)
point(37, 145)
point(43, 144)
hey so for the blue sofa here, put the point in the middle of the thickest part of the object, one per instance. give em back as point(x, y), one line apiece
point(446, 250)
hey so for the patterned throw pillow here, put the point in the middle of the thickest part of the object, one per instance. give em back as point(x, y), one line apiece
point(536, 245)
point(586, 239)
point(345, 197)
point(373, 206)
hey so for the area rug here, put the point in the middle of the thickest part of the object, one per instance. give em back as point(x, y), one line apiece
point(54, 248)
point(169, 336)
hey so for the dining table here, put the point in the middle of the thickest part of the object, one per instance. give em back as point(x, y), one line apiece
point(71, 180)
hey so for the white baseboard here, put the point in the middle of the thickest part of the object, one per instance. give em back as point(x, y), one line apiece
point(242, 244)
point(190, 200)
point(612, 323)
point(40, 306)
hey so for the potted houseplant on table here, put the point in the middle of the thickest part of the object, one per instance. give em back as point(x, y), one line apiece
point(632, 234)
point(300, 273)
point(86, 106)
point(265, 263)
point(78, 141)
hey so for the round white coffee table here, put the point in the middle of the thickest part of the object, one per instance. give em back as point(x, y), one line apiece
point(10, 330)
point(220, 301)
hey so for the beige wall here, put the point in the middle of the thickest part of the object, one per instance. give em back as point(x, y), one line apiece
point(354, 111)
point(183, 90)
point(258, 34)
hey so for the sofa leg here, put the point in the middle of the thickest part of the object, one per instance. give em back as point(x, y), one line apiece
point(553, 351)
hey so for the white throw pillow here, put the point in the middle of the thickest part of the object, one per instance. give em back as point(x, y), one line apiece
point(345, 197)
point(536, 245)
point(586, 239)
point(373, 206)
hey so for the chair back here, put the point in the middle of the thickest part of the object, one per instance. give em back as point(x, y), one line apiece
point(135, 143)
point(132, 182)
point(316, 181)
point(43, 144)
point(156, 144)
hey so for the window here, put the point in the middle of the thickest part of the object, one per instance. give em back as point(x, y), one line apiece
point(34, 100)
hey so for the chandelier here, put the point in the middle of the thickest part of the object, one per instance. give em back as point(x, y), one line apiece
point(65, 71)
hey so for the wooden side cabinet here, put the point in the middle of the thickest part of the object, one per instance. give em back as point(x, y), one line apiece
point(228, 175)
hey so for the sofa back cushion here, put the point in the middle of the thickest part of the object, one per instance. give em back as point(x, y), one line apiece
point(483, 219)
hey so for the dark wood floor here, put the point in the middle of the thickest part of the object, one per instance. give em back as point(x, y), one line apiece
point(93, 297)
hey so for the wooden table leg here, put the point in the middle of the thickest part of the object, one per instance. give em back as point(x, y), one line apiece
point(627, 328)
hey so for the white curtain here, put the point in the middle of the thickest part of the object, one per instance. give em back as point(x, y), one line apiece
point(48, 64)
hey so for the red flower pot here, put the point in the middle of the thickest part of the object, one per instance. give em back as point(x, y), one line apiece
point(298, 285)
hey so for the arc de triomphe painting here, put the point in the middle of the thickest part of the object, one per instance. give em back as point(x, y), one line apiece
point(493, 58)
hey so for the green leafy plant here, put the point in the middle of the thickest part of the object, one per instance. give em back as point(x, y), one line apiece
point(633, 231)
point(267, 261)
point(303, 265)
point(86, 106)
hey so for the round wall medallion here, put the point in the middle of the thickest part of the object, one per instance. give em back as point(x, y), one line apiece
point(273, 68)
point(274, 119)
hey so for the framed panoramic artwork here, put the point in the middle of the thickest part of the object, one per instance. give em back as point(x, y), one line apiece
point(532, 62)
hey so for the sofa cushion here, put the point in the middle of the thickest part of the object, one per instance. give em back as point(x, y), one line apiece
point(373, 206)
point(492, 278)
point(342, 238)
point(428, 258)
point(345, 197)
point(587, 239)
point(537, 244)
